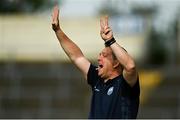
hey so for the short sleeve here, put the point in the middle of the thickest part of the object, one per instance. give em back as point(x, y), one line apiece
point(131, 91)
point(92, 76)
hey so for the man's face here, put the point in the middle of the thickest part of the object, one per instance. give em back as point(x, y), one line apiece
point(105, 62)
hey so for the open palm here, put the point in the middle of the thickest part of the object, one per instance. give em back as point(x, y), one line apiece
point(55, 18)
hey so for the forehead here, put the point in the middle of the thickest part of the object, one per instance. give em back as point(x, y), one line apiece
point(106, 50)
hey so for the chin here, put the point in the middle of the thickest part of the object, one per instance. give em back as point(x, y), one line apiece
point(99, 74)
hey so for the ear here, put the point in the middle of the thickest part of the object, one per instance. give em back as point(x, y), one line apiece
point(116, 64)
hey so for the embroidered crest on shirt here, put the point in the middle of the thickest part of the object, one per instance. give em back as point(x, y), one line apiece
point(110, 91)
point(96, 89)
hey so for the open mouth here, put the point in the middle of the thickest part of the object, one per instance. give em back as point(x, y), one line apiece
point(100, 66)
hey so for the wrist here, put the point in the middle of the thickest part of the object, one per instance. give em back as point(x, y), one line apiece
point(57, 29)
point(108, 43)
point(108, 39)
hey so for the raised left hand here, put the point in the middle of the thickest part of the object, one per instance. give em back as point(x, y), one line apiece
point(105, 32)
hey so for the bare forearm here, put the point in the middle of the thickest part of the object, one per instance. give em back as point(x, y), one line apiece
point(70, 48)
point(123, 57)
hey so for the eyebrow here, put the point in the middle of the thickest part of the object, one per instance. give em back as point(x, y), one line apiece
point(102, 53)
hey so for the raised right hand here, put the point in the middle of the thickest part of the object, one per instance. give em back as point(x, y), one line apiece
point(55, 18)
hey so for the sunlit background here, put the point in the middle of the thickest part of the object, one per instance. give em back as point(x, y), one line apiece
point(37, 80)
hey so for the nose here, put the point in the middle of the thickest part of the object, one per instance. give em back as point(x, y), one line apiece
point(99, 57)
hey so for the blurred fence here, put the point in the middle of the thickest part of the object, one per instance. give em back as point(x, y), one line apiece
point(58, 90)
point(162, 101)
point(42, 90)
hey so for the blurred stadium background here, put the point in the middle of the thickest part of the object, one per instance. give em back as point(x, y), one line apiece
point(38, 81)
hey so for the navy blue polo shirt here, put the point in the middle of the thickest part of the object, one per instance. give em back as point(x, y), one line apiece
point(113, 99)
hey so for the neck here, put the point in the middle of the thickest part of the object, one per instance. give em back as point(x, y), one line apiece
point(112, 76)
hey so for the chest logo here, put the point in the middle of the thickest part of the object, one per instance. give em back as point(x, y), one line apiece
point(110, 91)
point(97, 90)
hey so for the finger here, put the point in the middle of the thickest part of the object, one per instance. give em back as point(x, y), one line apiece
point(106, 27)
point(53, 14)
point(107, 30)
point(106, 21)
point(101, 24)
point(56, 12)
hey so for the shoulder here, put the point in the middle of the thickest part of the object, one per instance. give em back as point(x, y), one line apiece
point(128, 90)
point(92, 75)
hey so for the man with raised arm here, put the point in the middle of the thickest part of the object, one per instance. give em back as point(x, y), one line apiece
point(114, 82)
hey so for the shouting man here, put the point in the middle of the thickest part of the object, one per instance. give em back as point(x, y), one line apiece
point(114, 82)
